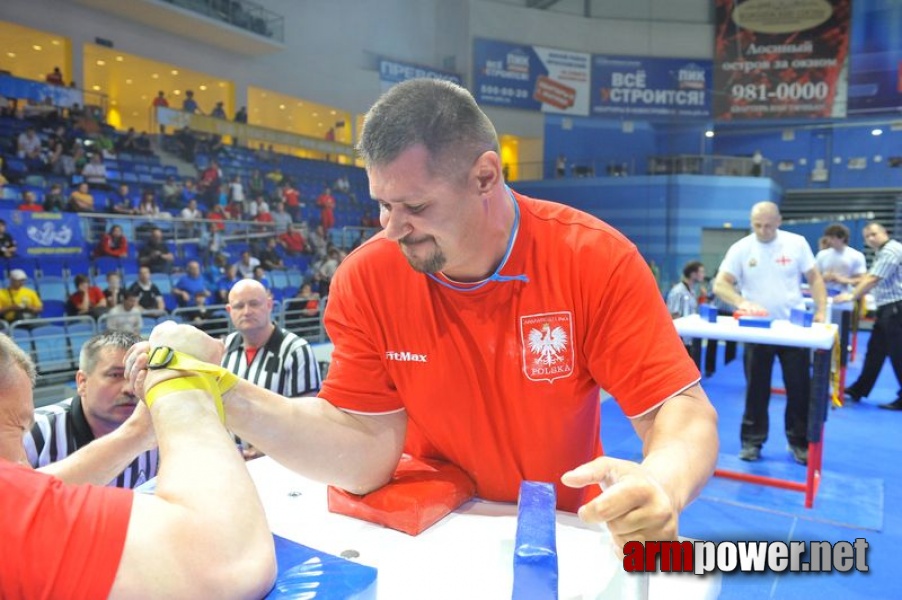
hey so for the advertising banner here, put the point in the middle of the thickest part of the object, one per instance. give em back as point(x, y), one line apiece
point(37, 92)
point(625, 86)
point(531, 77)
point(392, 72)
point(875, 63)
point(776, 59)
point(40, 234)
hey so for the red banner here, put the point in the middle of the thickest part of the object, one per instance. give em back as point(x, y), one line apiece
point(776, 59)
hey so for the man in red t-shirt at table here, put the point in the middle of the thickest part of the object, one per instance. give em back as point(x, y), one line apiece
point(479, 327)
point(203, 533)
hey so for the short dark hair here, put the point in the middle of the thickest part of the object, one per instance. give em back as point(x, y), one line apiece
point(837, 230)
point(441, 116)
point(691, 268)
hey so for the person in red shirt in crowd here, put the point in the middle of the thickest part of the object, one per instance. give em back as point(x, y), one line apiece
point(87, 300)
point(55, 77)
point(209, 183)
point(113, 243)
point(504, 318)
point(292, 199)
point(326, 203)
point(218, 214)
point(204, 529)
point(29, 203)
point(293, 241)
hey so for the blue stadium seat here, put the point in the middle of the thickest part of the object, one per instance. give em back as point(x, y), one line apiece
point(295, 277)
point(52, 266)
point(51, 349)
point(163, 282)
point(79, 334)
point(52, 287)
point(106, 264)
point(53, 308)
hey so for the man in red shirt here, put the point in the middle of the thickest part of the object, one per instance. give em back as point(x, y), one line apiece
point(203, 533)
point(326, 203)
point(479, 327)
point(293, 241)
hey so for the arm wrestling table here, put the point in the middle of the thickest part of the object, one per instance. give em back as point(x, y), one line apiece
point(820, 338)
point(468, 554)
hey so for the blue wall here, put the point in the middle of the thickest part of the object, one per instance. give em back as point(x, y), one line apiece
point(664, 216)
point(600, 142)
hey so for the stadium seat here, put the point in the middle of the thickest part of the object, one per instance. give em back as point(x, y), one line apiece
point(53, 308)
point(53, 287)
point(51, 348)
point(79, 333)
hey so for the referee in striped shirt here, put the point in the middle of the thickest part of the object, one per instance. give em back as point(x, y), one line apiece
point(885, 278)
point(267, 356)
point(102, 424)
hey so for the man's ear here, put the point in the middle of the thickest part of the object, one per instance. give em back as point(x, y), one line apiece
point(487, 171)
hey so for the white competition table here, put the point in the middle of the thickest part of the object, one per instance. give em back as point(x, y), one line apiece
point(820, 338)
point(469, 554)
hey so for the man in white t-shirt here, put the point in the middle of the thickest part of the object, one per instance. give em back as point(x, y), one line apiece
point(841, 266)
point(767, 266)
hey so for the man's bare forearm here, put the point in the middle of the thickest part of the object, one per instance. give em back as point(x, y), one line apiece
point(309, 435)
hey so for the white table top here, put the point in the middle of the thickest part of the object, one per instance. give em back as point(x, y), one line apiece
point(469, 554)
point(781, 332)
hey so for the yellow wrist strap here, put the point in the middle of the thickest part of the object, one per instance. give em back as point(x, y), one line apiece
point(192, 382)
point(212, 378)
point(164, 357)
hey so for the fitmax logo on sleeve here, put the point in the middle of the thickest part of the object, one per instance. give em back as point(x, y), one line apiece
point(405, 356)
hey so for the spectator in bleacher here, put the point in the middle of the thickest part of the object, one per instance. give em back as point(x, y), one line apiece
point(150, 299)
point(28, 146)
point(269, 255)
point(80, 200)
point(18, 302)
point(369, 220)
point(3, 179)
point(261, 277)
point(326, 203)
point(186, 142)
point(55, 77)
point(95, 173)
point(318, 242)
point(342, 184)
point(104, 402)
point(293, 241)
point(325, 269)
point(246, 264)
point(308, 300)
point(156, 253)
point(10, 109)
point(113, 243)
point(191, 214)
point(255, 185)
point(121, 201)
point(58, 145)
point(275, 175)
point(190, 284)
point(241, 115)
point(171, 193)
point(127, 142)
point(197, 313)
point(160, 100)
point(143, 145)
point(148, 206)
point(217, 213)
point(87, 300)
point(114, 292)
point(29, 203)
point(209, 183)
point(126, 316)
point(53, 199)
point(264, 216)
point(225, 283)
point(8, 247)
point(189, 104)
point(43, 113)
point(218, 111)
point(189, 191)
point(255, 207)
point(281, 218)
point(236, 190)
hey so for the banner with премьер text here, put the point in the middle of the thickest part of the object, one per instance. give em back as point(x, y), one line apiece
point(777, 59)
point(40, 234)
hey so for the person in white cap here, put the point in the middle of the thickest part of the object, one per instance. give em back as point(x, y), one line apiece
point(17, 301)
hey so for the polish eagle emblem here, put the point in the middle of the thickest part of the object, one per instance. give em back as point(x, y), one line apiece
point(548, 343)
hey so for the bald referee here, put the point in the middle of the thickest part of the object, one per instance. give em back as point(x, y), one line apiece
point(266, 355)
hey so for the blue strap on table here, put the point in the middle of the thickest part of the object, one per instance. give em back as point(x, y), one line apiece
point(535, 550)
point(308, 573)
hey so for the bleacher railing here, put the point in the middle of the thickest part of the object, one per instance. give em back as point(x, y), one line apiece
point(241, 13)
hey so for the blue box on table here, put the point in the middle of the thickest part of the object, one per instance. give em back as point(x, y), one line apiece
point(708, 313)
point(801, 317)
point(753, 321)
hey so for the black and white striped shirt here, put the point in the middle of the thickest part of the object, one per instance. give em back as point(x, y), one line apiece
point(888, 267)
point(285, 364)
point(60, 429)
